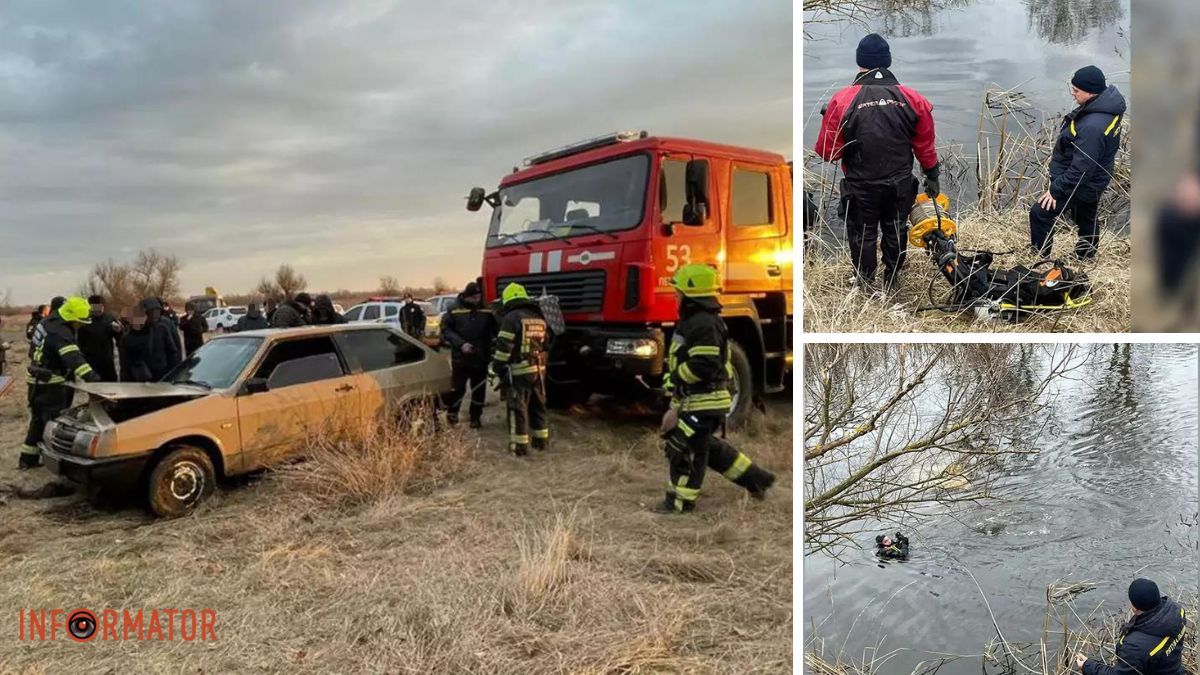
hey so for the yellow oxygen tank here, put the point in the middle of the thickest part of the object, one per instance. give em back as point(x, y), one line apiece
point(924, 218)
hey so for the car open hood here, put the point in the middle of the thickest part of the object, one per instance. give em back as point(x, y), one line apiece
point(114, 391)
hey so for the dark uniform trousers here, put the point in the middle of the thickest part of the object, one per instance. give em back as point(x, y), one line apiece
point(877, 214)
point(527, 420)
point(46, 402)
point(693, 446)
point(1083, 214)
point(469, 379)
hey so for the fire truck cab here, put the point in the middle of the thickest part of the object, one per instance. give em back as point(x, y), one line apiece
point(603, 225)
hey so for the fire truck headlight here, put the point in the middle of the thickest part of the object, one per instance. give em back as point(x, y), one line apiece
point(639, 347)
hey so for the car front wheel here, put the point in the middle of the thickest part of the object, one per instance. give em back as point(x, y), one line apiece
point(180, 481)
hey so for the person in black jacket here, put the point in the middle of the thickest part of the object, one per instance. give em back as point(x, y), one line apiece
point(253, 319)
point(34, 319)
point(698, 371)
point(468, 329)
point(519, 361)
point(147, 349)
point(1081, 164)
point(98, 340)
point(170, 317)
point(323, 313)
point(56, 359)
point(412, 317)
point(194, 326)
point(1151, 642)
point(293, 313)
point(894, 548)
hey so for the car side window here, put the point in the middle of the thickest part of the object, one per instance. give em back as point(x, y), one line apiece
point(390, 311)
point(378, 349)
point(354, 314)
point(300, 361)
point(371, 312)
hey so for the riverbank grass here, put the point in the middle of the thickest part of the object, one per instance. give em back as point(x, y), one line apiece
point(834, 303)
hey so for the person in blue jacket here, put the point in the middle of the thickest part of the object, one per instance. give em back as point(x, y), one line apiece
point(1151, 642)
point(1081, 165)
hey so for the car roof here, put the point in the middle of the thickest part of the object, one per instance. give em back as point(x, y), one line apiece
point(273, 334)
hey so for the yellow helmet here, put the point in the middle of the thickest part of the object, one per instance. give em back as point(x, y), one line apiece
point(696, 280)
point(513, 292)
point(76, 309)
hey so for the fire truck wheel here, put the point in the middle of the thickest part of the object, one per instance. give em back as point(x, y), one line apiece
point(742, 386)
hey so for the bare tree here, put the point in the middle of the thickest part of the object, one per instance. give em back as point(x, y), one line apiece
point(389, 286)
point(894, 431)
point(289, 281)
point(152, 274)
point(440, 285)
point(267, 289)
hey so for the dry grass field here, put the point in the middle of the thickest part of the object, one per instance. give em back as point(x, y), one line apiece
point(479, 563)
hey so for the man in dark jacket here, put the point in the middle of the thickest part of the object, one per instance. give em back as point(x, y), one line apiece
point(98, 340)
point(293, 313)
point(519, 360)
point(34, 319)
point(698, 371)
point(895, 548)
point(468, 330)
point(56, 359)
point(324, 314)
point(253, 319)
point(169, 316)
point(147, 349)
point(412, 317)
point(1151, 642)
point(1081, 164)
point(194, 326)
point(875, 127)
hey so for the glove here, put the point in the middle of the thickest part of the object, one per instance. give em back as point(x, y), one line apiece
point(933, 187)
point(670, 420)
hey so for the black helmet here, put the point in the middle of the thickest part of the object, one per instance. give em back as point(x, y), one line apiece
point(471, 288)
point(304, 299)
point(151, 303)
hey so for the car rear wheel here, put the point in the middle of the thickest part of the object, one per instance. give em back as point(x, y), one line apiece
point(180, 481)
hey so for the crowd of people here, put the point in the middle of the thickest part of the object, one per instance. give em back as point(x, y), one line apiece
point(505, 345)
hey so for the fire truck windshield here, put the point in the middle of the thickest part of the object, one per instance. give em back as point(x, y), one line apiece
point(604, 197)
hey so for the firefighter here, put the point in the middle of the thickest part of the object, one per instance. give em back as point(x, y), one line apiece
point(698, 373)
point(519, 361)
point(875, 126)
point(56, 359)
point(468, 330)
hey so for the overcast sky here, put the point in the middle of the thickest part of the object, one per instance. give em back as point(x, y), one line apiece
point(340, 136)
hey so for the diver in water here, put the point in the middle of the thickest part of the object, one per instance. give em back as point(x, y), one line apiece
point(892, 548)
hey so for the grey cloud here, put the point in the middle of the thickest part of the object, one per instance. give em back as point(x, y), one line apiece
point(338, 136)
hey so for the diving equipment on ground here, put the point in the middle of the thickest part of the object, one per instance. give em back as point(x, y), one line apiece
point(1009, 294)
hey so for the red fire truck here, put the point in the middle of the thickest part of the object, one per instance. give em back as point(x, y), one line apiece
point(604, 223)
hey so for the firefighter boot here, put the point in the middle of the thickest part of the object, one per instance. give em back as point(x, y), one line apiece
point(757, 481)
point(668, 505)
point(30, 458)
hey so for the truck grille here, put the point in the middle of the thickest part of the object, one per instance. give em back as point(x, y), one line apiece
point(576, 291)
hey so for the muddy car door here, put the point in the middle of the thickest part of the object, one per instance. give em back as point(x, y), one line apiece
point(392, 369)
point(299, 391)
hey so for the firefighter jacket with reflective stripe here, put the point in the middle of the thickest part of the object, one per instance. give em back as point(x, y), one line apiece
point(523, 340)
point(56, 356)
point(698, 367)
point(1151, 643)
point(1082, 162)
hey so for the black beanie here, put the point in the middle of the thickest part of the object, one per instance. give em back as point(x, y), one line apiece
point(1089, 79)
point(874, 52)
point(1143, 594)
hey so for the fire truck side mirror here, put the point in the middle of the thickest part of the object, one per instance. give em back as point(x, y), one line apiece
point(476, 198)
point(695, 211)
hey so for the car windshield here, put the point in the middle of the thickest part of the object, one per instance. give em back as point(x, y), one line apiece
point(217, 364)
point(604, 197)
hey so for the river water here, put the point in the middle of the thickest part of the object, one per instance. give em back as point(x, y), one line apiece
point(1108, 497)
point(953, 54)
